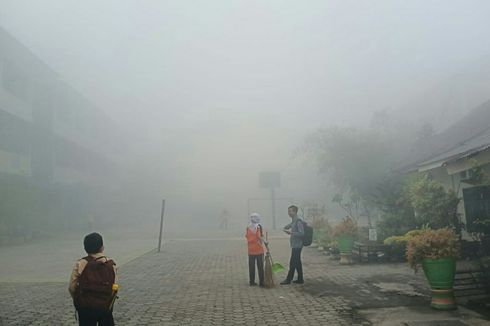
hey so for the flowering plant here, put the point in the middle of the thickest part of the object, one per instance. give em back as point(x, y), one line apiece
point(346, 227)
point(434, 244)
point(322, 232)
point(400, 241)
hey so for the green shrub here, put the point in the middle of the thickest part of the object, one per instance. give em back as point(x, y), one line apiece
point(434, 244)
point(346, 227)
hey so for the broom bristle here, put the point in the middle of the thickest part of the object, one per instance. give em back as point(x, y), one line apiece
point(268, 275)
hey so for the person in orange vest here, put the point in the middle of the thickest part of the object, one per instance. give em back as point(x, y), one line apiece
point(255, 241)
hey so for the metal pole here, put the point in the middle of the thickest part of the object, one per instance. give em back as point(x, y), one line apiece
point(248, 206)
point(273, 199)
point(161, 227)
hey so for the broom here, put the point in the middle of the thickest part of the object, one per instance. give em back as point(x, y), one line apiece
point(270, 267)
point(268, 276)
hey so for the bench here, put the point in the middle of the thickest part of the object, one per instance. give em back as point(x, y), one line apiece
point(473, 284)
point(370, 252)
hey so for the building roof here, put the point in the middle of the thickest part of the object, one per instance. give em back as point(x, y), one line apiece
point(466, 149)
point(468, 136)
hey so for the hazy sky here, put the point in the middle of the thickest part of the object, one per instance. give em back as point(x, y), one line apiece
point(285, 61)
point(232, 85)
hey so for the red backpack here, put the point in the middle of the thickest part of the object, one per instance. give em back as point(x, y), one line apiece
point(95, 284)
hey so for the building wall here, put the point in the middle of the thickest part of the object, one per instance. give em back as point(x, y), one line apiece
point(14, 163)
point(55, 124)
point(15, 145)
point(57, 149)
point(450, 176)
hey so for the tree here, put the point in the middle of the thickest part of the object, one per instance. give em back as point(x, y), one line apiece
point(433, 205)
point(396, 210)
point(425, 132)
point(355, 160)
point(351, 206)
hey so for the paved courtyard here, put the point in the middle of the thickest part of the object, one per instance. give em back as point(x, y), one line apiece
point(205, 282)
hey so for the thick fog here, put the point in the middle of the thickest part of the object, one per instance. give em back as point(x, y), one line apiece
point(205, 95)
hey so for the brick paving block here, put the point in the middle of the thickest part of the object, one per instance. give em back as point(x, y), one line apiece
point(193, 283)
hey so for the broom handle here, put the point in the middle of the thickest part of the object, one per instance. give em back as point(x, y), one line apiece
point(269, 252)
point(267, 241)
point(267, 246)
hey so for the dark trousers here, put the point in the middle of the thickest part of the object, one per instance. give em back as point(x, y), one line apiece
point(295, 264)
point(260, 267)
point(95, 317)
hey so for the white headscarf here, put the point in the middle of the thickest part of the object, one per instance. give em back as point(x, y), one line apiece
point(254, 222)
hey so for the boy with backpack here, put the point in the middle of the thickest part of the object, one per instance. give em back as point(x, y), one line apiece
point(93, 284)
point(296, 229)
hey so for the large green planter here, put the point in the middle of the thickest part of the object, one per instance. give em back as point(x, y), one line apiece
point(440, 274)
point(345, 243)
point(318, 235)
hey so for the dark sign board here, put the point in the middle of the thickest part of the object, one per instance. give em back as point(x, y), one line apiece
point(270, 179)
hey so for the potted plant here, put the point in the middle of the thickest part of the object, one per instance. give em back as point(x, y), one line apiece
point(326, 236)
point(436, 251)
point(398, 244)
point(398, 247)
point(321, 233)
point(345, 233)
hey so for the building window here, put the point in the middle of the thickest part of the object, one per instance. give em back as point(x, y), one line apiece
point(15, 81)
point(477, 208)
point(16, 163)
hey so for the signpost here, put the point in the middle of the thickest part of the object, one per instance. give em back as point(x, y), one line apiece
point(271, 180)
point(373, 235)
point(161, 227)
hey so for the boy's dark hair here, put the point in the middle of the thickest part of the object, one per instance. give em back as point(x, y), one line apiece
point(93, 243)
point(295, 208)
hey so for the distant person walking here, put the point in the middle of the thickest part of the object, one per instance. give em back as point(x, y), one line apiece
point(297, 232)
point(223, 223)
point(93, 284)
point(255, 241)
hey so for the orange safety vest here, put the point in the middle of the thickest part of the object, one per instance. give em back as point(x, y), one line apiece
point(254, 245)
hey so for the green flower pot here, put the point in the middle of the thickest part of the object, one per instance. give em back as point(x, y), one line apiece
point(345, 242)
point(440, 274)
point(317, 234)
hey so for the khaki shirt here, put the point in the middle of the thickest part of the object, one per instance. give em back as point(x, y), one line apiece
point(78, 269)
